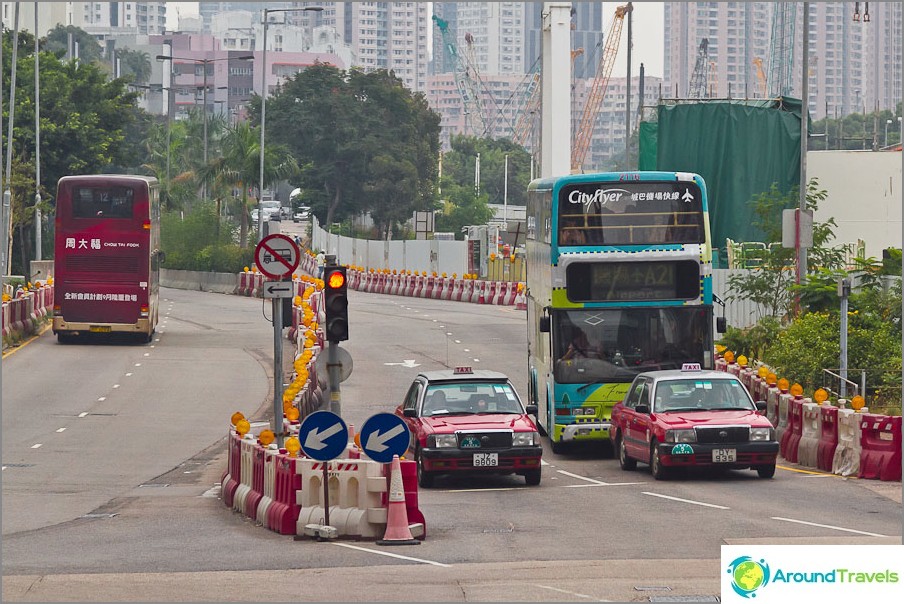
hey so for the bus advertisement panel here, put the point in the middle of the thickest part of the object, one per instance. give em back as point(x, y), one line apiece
point(106, 256)
point(619, 281)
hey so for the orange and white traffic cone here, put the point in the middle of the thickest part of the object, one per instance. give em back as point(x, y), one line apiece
point(397, 531)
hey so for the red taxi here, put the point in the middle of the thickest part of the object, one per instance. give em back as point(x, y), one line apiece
point(691, 417)
point(470, 421)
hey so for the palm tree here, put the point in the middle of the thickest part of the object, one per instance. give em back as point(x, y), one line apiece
point(238, 165)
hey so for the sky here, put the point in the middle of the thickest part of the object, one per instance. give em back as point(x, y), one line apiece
point(647, 27)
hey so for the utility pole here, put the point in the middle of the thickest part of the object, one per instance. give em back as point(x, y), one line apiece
point(38, 217)
point(804, 114)
point(629, 10)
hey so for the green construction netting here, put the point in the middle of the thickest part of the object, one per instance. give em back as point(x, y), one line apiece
point(740, 148)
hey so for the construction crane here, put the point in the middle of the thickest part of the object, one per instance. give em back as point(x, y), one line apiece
point(525, 122)
point(781, 49)
point(697, 87)
point(760, 77)
point(584, 132)
point(713, 80)
point(464, 81)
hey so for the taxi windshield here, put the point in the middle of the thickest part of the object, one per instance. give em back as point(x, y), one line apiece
point(467, 398)
point(701, 394)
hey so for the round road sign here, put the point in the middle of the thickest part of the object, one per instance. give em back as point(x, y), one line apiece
point(276, 256)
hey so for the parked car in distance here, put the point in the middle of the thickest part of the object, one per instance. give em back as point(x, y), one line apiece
point(303, 213)
point(692, 418)
point(466, 421)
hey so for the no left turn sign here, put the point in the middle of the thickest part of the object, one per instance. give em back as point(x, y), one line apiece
point(276, 256)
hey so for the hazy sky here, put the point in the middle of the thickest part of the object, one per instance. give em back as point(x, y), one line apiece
point(647, 28)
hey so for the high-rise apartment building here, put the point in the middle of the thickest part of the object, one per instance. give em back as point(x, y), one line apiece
point(586, 34)
point(853, 64)
point(144, 18)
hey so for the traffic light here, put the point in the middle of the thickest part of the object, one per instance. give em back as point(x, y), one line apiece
point(336, 302)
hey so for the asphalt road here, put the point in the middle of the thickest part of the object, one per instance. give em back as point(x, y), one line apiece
point(123, 503)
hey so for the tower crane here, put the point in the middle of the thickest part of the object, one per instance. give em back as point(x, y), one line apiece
point(474, 120)
point(781, 49)
point(760, 76)
point(697, 87)
point(584, 132)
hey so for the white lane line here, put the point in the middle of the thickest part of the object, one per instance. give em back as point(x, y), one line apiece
point(84, 413)
point(61, 429)
point(467, 350)
point(458, 341)
point(37, 446)
point(116, 385)
point(147, 354)
point(152, 346)
point(4, 467)
point(570, 593)
point(602, 484)
point(476, 360)
point(129, 374)
point(708, 505)
point(156, 339)
point(100, 400)
point(579, 477)
point(828, 526)
point(138, 364)
point(400, 557)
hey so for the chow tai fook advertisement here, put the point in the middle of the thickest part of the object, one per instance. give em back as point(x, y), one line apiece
point(772, 574)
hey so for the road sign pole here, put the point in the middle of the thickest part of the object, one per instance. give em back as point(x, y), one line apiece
point(278, 372)
point(326, 493)
point(334, 368)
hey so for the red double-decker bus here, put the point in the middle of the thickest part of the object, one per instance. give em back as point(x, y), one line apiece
point(107, 256)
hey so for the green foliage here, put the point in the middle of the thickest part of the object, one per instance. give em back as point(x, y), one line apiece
point(462, 208)
point(57, 41)
point(855, 131)
point(753, 341)
point(364, 143)
point(804, 348)
point(198, 241)
point(459, 166)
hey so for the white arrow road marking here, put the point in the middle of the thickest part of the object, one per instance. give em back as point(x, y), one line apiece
point(406, 363)
point(315, 438)
point(377, 442)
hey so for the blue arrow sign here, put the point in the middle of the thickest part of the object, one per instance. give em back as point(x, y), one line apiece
point(384, 435)
point(323, 435)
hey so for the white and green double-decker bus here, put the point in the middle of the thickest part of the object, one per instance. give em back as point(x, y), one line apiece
point(619, 281)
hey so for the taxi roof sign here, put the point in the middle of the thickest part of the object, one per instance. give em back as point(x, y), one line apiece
point(691, 367)
point(461, 370)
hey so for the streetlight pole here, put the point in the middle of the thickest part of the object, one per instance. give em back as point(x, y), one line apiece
point(38, 218)
point(264, 70)
point(887, 122)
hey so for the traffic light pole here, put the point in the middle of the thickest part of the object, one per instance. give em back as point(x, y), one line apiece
point(278, 372)
point(333, 369)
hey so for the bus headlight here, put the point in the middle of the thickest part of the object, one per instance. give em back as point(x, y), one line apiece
point(525, 439)
point(761, 434)
point(680, 436)
point(442, 440)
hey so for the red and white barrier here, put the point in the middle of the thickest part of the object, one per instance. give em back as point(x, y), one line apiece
point(846, 461)
point(880, 447)
point(809, 436)
point(828, 437)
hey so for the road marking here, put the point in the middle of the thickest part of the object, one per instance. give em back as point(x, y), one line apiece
point(129, 374)
point(147, 354)
point(116, 385)
point(400, 557)
point(602, 484)
point(800, 471)
point(84, 413)
point(61, 429)
point(467, 350)
point(570, 593)
point(579, 477)
point(138, 364)
point(37, 446)
point(27, 342)
point(709, 505)
point(828, 526)
point(100, 400)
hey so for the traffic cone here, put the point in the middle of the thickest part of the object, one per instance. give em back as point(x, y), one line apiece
point(397, 531)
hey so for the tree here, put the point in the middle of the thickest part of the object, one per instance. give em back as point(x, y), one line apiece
point(363, 142)
point(459, 167)
point(135, 63)
point(89, 49)
point(84, 119)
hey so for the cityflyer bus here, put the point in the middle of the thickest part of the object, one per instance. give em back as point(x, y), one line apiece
point(107, 256)
point(619, 281)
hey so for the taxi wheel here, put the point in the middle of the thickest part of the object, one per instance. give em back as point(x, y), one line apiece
point(658, 471)
point(424, 478)
point(626, 463)
point(767, 471)
point(532, 477)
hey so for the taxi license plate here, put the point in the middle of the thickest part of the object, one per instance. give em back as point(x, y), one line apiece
point(725, 455)
point(486, 460)
point(100, 329)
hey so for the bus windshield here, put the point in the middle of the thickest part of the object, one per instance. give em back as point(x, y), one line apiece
point(630, 213)
point(614, 345)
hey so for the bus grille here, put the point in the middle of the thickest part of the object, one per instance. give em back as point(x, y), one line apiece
point(102, 264)
point(724, 434)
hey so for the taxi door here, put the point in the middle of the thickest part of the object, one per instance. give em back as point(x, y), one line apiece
point(637, 420)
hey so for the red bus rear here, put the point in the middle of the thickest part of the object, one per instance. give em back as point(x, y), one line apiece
point(107, 255)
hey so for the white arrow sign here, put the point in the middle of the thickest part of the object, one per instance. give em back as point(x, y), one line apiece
point(377, 442)
point(315, 438)
point(278, 289)
point(406, 363)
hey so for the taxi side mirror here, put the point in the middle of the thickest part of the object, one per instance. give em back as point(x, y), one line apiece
point(642, 409)
point(760, 405)
point(409, 412)
point(532, 410)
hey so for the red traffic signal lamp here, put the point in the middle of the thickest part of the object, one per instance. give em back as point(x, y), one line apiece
point(335, 291)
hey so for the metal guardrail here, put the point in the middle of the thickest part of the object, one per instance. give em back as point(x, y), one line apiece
point(843, 382)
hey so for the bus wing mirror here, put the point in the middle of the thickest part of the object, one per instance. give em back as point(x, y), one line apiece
point(544, 324)
point(161, 256)
point(721, 325)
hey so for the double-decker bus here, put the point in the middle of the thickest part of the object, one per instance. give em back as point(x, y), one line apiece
point(619, 281)
point(107, 256)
